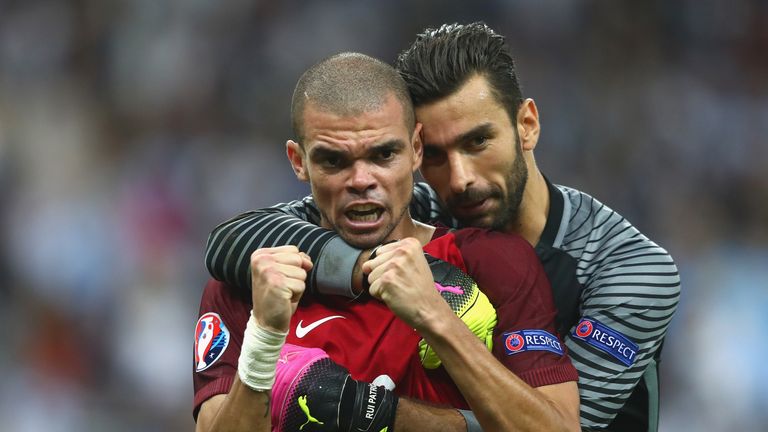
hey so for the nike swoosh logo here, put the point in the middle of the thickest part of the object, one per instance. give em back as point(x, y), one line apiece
point(302, 331)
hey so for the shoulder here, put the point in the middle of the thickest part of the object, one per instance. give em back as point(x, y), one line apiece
point(584, 213)
point(612, 254)
point(219, 291)
point(485, 241)
point(586, 216)
point(592, 225)
point(489, 252)
point(219, 298)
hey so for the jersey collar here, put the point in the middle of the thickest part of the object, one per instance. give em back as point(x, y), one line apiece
point(553, 233)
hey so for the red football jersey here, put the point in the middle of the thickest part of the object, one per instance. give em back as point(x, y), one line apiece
point(373, 344)
point(507, 270)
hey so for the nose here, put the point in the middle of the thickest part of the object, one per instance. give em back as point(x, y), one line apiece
point(461, 173)
point(361, 178)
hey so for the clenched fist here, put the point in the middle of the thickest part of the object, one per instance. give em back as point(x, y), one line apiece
point(400, 276)
point(417, 287)
point(278, 278)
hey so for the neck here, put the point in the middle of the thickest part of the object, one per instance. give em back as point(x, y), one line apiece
point(534, 207)
point(424, 232)
point(412, 228)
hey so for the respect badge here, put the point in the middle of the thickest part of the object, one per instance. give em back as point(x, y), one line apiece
point(531, 340)
point(606, 339)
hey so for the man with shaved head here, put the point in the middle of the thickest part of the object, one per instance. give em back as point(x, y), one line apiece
point(365, 90)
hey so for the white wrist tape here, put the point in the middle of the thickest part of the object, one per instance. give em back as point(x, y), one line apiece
point(258, 356)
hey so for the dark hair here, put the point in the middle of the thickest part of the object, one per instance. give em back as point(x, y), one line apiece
point(441, 60)
point(348, 84)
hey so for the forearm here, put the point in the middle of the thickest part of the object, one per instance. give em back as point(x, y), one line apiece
point(491, 390)
point(242, 409)
point(231, 244)
point(415, 416)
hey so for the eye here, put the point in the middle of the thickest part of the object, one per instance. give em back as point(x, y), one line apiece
point(383, 155)
point(386, 154)
point(330, 161)
point(479, 141)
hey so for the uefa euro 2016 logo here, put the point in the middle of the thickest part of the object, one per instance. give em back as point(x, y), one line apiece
point(211, 339)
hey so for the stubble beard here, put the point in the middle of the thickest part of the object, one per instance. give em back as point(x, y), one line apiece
point(509, 210)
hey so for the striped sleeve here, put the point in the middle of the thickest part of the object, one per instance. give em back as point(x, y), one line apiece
point(426, 207)
point(229, 247)
point(632, 286)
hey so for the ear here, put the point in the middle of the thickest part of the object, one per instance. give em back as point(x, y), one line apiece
point(295, 154)
point(418, 147)
point(528, 127)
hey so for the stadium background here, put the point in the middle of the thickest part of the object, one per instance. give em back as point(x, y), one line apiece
point(128, 129)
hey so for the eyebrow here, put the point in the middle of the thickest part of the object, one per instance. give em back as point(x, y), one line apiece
point(392, 145)
point(320, 151)
point(484, 129)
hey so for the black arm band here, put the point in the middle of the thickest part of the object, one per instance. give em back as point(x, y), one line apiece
point(333, 273)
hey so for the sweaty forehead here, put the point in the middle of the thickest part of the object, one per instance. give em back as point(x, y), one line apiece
point(350, 130)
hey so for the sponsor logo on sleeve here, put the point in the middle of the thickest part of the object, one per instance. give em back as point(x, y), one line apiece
point(606, 339)
point(211, 339)
point(531, 340)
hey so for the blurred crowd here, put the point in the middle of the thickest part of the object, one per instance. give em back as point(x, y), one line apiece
point(129, 129)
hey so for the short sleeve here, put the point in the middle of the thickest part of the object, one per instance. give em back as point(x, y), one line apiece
point(507, 270)
point(218, 337)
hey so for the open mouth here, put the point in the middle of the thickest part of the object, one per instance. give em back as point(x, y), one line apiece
point(364, 213)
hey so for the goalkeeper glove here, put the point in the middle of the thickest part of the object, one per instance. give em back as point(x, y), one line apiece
point(313, 393)
point(466, 301)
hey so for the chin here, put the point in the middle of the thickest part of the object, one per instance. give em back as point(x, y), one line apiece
point(485, 222)
point(477, 222)
point(363, 241)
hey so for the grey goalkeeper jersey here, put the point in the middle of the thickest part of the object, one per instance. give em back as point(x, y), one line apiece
point(615, 289)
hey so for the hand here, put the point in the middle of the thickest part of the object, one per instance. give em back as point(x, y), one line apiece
point(313, 393)
point(277, 281)
point(400, 277)
point(401, 284)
